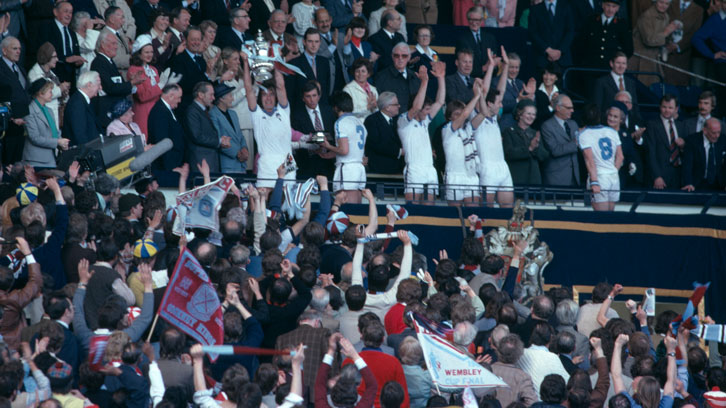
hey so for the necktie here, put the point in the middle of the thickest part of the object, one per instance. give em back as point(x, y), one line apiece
point(567, 130)
point(468, 82)
point(476, 36)
point(200, 62)
point(711, 168)
point(67, 44)
point(315, 71)
point(699, 125)
point(675, 160)
point(684, 6)
point(19, 75)
point(227, 4)
point(124, 43)
point(551, 6)
point(621, 85)
point(318, 124)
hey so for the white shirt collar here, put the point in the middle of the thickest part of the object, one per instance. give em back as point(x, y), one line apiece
point(427, 52)
point(169, 107)
point(111, 30)
point(388, 33)
point(176, 32)
point(616, 78)
point(106, 56)
point(8, 62)
point(88, 100)
point(544, 90)
point(706, 142)
point(722, 14)
point(311, 112)
point(60, 25)
point(388, 118)
point(236, 31)
point(62, 323)
point(605, 18)
point(204, 108)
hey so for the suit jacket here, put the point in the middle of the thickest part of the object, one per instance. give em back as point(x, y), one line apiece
point(113, 84)
point(128, 29)
point(605, 90)
point(51, 33)
point(520, 385)
point(547, 32)
point(340, 13)
point(632, 153)
point(228, 157)
point(17, 24)
point(217, 11)
point(228, 38)
point(163, 124)
point(295, 83)
point(39, 150)
point(391, 80)
point(456, 89)
point(341, 62)
point(524, 165)
point(123, 53)
point(511, 93)
point(383, 146)
point(563, 167)
point(383, 45)
point(191, 74)
point(260, 14)
point(202, 138)
point(286, 37)
point(19, 98)
point(601, 42)
point(659, 153)
point(80, 121)
point(309, 163)
point(691, 126)
point(695, 163)
point(488, 41)
point(568, 364)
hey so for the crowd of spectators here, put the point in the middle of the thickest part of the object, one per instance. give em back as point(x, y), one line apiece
point(74, 70)
point(84, 268)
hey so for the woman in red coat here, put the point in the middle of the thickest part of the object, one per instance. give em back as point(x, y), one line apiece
point(149, 91)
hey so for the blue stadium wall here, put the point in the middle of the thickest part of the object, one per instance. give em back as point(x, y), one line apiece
point(646, 250)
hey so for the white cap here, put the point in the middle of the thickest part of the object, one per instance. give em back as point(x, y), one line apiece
point(141, 41)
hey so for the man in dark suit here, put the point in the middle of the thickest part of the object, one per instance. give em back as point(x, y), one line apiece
point(59, 308)
point(605, 35)
point(313, 117)
point(314, 66)
point(704, 158)
point(142, 12)
point(607, 86)
point(14, 76)
point(342, 11)
point(514, 91)
point(191, 65)
point(16, 25)
point(477, 40)
point(665, 141)
point(218, 10)
point(398, 78)
point(163, 124)
point(114, 85)
point(38, 13)
point(179, 20)
point(558, 136)
point(260, 13)
point(383, 146)
point(552, 31)
point(329, 49)
point(706, 106)
point(235, 34)
point(204, 142)
point(276, 34)
point(459, 84)
point(80, 123)
point(386, 38)
point(64, 41)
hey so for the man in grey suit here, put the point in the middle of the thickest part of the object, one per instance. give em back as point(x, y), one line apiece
point(204, 143)
point(234, 158)
point(558, 135)
point(332, 49)
point(459, 84)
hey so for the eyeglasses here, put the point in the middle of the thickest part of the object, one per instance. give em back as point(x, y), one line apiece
point(568, 107)
point(400, 55)
point(475, 20)
point(424, 36)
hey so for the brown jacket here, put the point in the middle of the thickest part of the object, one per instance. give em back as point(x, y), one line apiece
point(13, 302)
point(519, 382)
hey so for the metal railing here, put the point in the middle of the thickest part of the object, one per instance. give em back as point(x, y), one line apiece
point(392, 189)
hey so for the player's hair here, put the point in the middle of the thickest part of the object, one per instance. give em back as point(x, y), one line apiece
point(592, 114)
point(342, 102)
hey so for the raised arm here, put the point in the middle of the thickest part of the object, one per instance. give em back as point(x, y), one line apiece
point(418, 101)
point(439, 71)
point(600, 392)
point(280, 88)
point(502, 85)
point(249, 90)
point(357, 278)
point(616, 365)
point(670, 384)
point(372, 213)
point(459, 121)
point(602, 318)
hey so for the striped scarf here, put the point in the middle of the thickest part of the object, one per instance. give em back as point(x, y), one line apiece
point(471, 153)
point(296, 195)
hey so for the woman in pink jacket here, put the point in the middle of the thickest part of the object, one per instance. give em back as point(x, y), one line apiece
point(149, 91)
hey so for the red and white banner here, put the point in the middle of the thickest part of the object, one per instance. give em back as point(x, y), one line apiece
point(450, 367)
point(191, 304)
point(199, 208)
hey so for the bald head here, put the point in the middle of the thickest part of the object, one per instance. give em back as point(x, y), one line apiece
point(712, 130)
